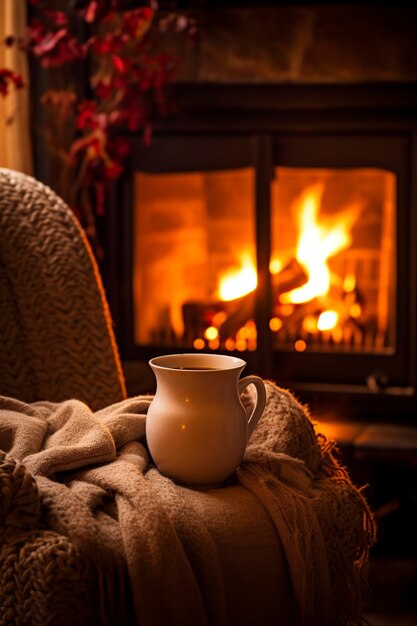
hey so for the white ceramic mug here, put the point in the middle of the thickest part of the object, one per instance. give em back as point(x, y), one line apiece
point(197, 428)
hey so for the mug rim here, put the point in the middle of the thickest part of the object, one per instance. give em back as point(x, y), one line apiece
point(224, 362)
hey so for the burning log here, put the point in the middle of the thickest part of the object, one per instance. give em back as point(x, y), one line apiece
point(243, 311)
point(293, 322)
point(333, 317)
point(292, 276)
point(198, 315)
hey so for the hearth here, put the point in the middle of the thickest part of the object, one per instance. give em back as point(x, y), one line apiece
point(278, 223)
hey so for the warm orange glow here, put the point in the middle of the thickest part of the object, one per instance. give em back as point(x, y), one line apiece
point(300, 345)
point(242, 333)
point(211, 333)
point(275, 324)
point(241, 345)
point(327, 320)
point(310, 324)
point(230, 344)
point(236, 283)
point(331, 245)
point(337, 334)
point(318, 241)
point(219, 318)
point(355, 310)
point(275, 266)
point(286, 310)
point(349, 283)
point(252, 333)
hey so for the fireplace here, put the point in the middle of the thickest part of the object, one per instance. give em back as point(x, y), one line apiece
point(277, 223)
point(274, 216)
point(331, 267)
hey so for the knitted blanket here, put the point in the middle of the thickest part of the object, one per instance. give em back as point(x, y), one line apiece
point(89, 529)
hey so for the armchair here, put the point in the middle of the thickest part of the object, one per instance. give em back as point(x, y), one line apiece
point(90, 532)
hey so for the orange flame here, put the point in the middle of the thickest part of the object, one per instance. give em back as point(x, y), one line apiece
point(327, 320)
point(318, 241)
point(236, 283)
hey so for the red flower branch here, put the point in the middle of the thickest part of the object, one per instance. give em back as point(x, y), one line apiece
point(127, 79)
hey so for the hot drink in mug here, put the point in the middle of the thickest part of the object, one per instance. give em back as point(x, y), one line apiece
point(197, 428)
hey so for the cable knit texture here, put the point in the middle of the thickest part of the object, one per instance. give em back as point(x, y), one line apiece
point(56, 335)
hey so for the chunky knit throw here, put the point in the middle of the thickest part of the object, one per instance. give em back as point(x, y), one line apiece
point(91, 533)
point(56, 335)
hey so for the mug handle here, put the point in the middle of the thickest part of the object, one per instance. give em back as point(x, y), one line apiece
point(260, 400)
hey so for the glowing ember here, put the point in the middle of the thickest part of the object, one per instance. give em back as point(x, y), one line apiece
point(300, 345)
point(320, 237)
point(219, 318)
point(349, 283)
point(239, 282)
point(310, 324)
point(230, 344)
point(318, 241)
point(355, 310)
point(275, 324)
point(275, 266)
point(327, 320)
point(211, 333)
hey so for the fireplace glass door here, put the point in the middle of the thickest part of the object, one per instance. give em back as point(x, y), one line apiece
point(331, 270)
point(333, 259)
point(281, 248)
point(195, 259)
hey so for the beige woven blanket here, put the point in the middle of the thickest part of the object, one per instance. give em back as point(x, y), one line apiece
point(156, 562)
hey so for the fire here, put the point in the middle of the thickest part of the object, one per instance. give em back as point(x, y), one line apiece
point(275, 265)
point(327, 320)
point(318, 241)
point(238, 282)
